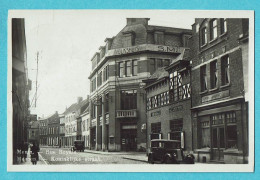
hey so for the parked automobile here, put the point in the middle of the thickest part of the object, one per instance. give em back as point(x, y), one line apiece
point(168, 152)
point(78, 146)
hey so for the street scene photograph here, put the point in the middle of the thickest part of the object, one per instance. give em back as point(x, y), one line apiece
point(146, 87)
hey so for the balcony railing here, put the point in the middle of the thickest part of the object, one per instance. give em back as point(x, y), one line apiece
point(126, 113)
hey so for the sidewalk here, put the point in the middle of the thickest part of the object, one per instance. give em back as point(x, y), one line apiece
point(136, 156)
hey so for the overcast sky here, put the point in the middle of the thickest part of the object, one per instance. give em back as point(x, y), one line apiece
point(66, 42)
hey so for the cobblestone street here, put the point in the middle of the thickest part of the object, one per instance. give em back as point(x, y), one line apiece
point(65, 156)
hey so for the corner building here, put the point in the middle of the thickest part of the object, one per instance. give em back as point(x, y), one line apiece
point(117, 98)
point(219, 90)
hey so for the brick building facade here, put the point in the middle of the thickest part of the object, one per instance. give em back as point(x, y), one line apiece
point(117, 98)
point(219, 84)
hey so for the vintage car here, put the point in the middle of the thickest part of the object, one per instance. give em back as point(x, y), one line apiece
point(168, 152)
point(78, 146)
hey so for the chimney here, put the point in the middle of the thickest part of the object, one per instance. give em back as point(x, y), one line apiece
point(80, 99)
point(133, 21)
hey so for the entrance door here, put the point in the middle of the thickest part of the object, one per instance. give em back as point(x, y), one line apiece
point(218, 143)
point(128, 139)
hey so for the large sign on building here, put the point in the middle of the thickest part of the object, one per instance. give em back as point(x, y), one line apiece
point(144, 47)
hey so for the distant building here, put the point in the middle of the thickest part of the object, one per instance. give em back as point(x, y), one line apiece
point(85, 124)
point(62, 130)
point(43, 131)
point(117, 98)
point(21, 86)
point(53, 130)
point(33, 132)
point(219, 89)
point(71, 122)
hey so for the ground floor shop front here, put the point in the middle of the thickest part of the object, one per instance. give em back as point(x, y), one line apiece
point(221, 132)
point(127, 137)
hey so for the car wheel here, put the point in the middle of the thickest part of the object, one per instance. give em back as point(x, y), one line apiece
point(150, 159)
point(168, 160)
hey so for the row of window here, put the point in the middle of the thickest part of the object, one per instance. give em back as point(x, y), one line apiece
point(158, 100)
point(85, 125)
point(101, 77)
point(225, 76)
point(176, 125)
point(128, 68)
point(214, 24)
point(53, 130)
point(70, 118)
point(70, 129)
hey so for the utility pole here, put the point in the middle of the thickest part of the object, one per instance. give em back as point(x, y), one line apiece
point(37, 59)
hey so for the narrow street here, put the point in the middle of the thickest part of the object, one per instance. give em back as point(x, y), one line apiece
point(65, 156)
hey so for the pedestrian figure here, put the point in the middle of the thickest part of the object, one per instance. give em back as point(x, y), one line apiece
point(34, 154)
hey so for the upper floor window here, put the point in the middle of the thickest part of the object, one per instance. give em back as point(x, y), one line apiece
point(225, 70)
point(127, 41)
point(135, 67)
point(106, 73)
point(128, 99)
point(213, 74)
point(99, 79)
point(159, 38)
point(203, 78)
point(121, 69)
point(203, 36)
point(152, 66)
point(213, 29)
point(128, 68)
point(223, 25)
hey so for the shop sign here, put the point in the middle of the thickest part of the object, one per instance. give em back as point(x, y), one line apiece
point(145, 47)
point(156, 113)
point(176, 108)
point(215, 96)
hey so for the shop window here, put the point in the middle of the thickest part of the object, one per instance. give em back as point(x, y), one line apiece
point(213, 29)
point(121, 69)
point(213, 74)
point(135, 68)
point(232, 137)
point(128, 68)
point(128, 99)
point(156, 127)
point(176, 125)
point(225, 76)
point(223, 25)
point(203, 36)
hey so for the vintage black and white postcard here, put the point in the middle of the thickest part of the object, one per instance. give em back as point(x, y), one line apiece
point(130, 91)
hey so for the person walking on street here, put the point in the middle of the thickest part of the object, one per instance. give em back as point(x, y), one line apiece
point(34, 154)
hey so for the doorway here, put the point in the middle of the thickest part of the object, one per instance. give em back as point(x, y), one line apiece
point(218, 143)
point(128, 138)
